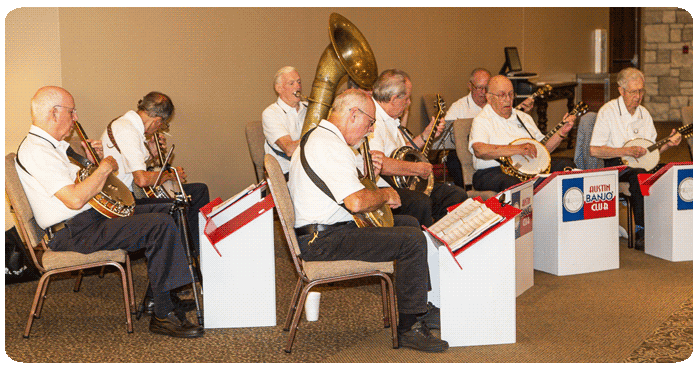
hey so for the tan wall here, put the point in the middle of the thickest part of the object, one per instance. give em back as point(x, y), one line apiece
point(217, 63)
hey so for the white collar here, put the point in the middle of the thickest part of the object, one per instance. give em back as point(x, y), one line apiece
point(48, 137)
point(380, 113)
point(287, 108)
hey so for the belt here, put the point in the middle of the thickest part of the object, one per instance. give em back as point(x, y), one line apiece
point(50, 231)
point(312, 228)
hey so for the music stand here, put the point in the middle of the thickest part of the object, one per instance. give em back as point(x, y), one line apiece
point(179, 208)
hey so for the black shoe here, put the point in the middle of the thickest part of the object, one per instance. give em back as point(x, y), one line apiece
point(174, 326)
point(420, 338)
point(148, 304)
point(639, 243)
point(431, 317)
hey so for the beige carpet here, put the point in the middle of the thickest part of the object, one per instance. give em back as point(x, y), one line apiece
point(597, 317)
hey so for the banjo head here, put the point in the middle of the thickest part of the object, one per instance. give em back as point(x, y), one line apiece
point(531, 166)
point(646, 162)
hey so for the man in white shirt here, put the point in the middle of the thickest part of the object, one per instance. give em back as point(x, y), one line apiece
point(283, 120)
point(392, 96)
point(466, 108)
point(620, 121)
point(61, 207)
point(131, 141)
point(324, 223)
point(496, 126)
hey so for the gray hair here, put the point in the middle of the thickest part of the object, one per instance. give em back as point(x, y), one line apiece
point(348, 99)
point(390, 83)
point(477, 70)
point(628, 74)
point(156, 104)
point(282, 71)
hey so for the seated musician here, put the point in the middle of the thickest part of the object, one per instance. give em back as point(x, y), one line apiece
point(392, 96)
point(496, 126)
point(61, 207)
point(622, 120)
point(131, 141)
point(468, 107)
point(325, 228)
point(283, 120)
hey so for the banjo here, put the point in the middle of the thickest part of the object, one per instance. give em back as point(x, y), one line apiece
point(408, 153)
point(650, 159)
point(168, 189)
point(115, 199)
point(382, 217)
point(541, 92)
point(525, 168)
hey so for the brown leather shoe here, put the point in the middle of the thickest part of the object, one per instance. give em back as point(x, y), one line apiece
point(420, 338)
point(173, 326)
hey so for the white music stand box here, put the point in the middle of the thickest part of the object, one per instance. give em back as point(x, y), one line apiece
point(474, 286)
point(575, 222)
point(668, 212)
point(238, 261)
point(520, 196)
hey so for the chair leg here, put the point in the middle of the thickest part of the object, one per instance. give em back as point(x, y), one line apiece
point(130, 282)
point(125, 290)
point(392, 311)
point(385, 304)
point(297, 317)
point(102, 272)
point(78, 280)
point(44, 289)
point(292, 305)
point(35, 304)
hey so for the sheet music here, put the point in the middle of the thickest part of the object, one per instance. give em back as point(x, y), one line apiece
point(465, 223)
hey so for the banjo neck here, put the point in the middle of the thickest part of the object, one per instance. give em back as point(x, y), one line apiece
point(83, 137)
point(578, 110)
point(440, 105)
point(685, 131)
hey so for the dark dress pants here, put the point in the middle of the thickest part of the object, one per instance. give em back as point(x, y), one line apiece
point(199, 196)
point(630, 175)
point(429, 208)
point(150, 228)
point(404, 243)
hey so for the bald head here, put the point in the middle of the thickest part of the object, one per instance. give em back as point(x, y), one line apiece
point(353, 112)
point(53, 110)
point(44, 100)
point(500, 95)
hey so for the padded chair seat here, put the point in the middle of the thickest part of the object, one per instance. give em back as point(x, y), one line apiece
point(323, 269)
point(61, 259)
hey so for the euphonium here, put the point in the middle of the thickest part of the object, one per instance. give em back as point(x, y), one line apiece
point(348, 53)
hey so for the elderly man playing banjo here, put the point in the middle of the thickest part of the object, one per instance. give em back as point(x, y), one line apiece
point(496, 127)
point(620, 121)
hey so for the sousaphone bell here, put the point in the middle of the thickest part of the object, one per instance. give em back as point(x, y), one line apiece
point(349, 54)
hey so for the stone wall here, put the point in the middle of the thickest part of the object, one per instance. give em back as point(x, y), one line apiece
point(668, 70)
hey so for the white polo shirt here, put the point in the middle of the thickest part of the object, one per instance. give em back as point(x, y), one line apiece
point(128, 132)
point(336, 164)
point(280, 119)
point(45, 159)
point(464, 108)
point(386, 137)
point(490, 128)
point(614, 125)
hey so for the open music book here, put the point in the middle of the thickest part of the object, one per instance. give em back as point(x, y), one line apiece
point(465, 223)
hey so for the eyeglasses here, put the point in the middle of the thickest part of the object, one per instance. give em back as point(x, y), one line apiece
point(504, 96)
point(72, 110)
point(638, 92)
point(372, 120)
point(164, 125)
point(474, 87)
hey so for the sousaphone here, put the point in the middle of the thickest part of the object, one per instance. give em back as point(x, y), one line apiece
point(349, 54)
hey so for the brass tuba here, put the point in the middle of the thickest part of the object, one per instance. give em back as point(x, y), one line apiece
point(348, 53)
